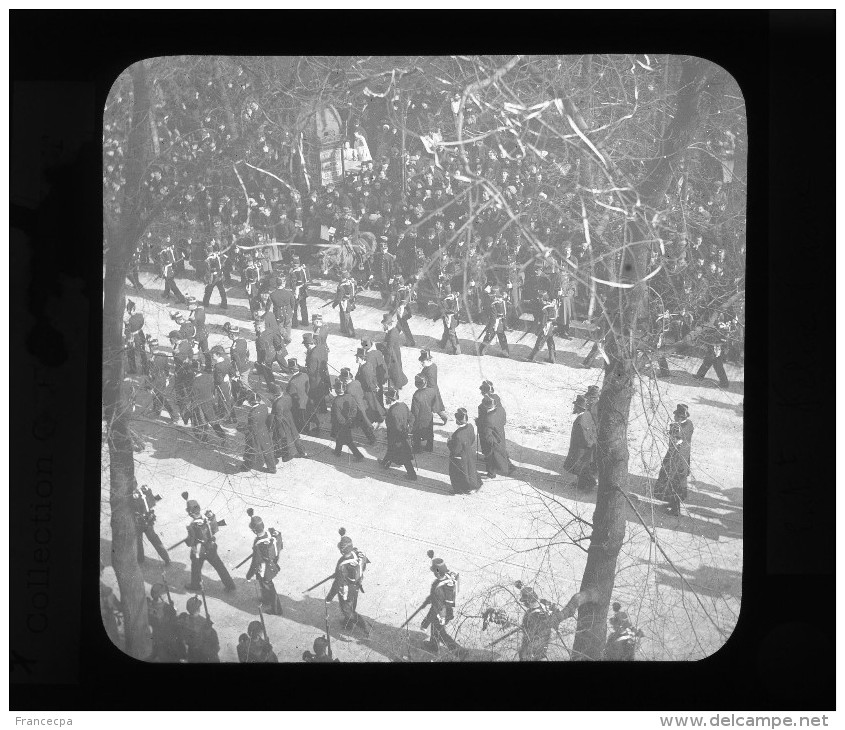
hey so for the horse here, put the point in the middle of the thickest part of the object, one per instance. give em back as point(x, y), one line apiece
point(350, 253)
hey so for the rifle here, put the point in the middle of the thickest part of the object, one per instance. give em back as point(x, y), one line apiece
point(328, 634)
point(505, 636)
point(167, 588)
point(319, 584)
point(248, 557)
point(205, 604)
point(522, 337)
point(220, 523)
point(408, 620)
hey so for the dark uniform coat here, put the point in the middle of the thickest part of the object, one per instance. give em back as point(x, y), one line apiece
point(481, 412)
point(344, 414)
point(298, 387)
point(200, 638)
point(353, 387)
point(316, 363)
point(463, 472)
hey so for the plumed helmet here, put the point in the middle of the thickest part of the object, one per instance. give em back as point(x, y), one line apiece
point(345, 541)
point(191, 505)
point(256, 524)
point(527, 595)
point(438, 565)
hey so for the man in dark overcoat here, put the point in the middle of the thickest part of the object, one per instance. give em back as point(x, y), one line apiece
point(463, 471)
point(398, 448)
point(671, 484)
point(582, 446)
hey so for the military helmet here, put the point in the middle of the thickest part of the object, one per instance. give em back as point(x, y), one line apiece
point(345, 541)
point(256, 524)
point(193, 604)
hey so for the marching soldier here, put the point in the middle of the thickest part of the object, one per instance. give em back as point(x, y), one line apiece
point(344, 415)
point(716, 351)
point(222, 373)
point(398, 447)
point(546, 326)
point(441, 598)
point(671, 484)
point(421, 423)
point(202, 404)
point(143, 507)
point(167, 264)
point(265, 562)
point(348, 582)
point(317, 366)
point(282, 425)
point(430, 372)
point(345, 301)
point(297, 388)
point(622, 642)
point(541, 618)
point(403, 297)
point(283, 302)
point(391, 349)
point(203, 544)
point(254, 647)
point(214, 264)
point(298, 283)
point(354, 388)
point(241, 365)
point(384, 266)
point(450, 307)
point(582, 446)
point(491, 431)
point(366, 376)
point(321, 653)
point(164, 624)
point(463, 471)
point(161, 386)
point(258, 446)
point(197, 318)
point(251, 276)
point(497, 314)
point(198, 634)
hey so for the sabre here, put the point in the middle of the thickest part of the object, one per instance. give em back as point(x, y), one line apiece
point(505, 636)
point(522, 336)
point(316, 585)
point(248, 557)
point(408, 620)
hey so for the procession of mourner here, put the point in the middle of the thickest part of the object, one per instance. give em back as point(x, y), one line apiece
point(409, 364)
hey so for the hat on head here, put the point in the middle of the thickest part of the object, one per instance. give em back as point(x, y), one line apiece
point(254, 629)
point(218, 350)
point(345, 374)
point(461, 415)
point(616, 606)
point(316, 318)
point(321, 643)
point(308, 338)
point(292, 362)
point(361, 353)
point(486, 386)
point(193, 604)
point(437, 564)
point(526, 593)
point(391, 393)
point(174, 335)
point(191, 505)
point(255, 522)
point(425, 355)
point(682, 410)
point(191, 301)
point(580, 402)
point(345, 540)
point(230, 328)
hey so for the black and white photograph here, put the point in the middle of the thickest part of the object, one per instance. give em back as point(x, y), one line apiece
point(423, 358)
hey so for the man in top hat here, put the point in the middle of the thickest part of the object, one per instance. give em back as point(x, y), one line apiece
point(283, 302)
point(167, 263)
point(391, 349)
point(214, 263)
point(450, 307)
point(143, 508)
point(265, 562)
point(671, 484)
point(320, 330)
point(344, 416)
point(298, 284)
point(258, 446)
point(347, 584)
point(429, 371)
point(497, 311)
point(317, 367)
point(198, 634)
point(546, 326)
point(202, 409)
point(441, 598)
point(581, 459)
point(164, 625)
point(491, 430)
point(298, 388)
point(345, 301)
point(201, 531)
point(463, 470)
point(356, 390)
point(366, 376)
point(283, 428)
point(397, 419)
point(421, 424)
point(254, 647)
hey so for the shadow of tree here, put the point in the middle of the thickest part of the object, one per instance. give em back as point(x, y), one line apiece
point(706, 580)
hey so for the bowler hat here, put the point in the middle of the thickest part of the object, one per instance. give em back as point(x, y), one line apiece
point(425, 355)
point(682, 410)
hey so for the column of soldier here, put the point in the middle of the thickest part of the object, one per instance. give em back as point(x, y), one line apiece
point(191, 637)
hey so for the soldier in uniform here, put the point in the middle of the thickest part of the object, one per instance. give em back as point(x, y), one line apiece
point(317, 366)
point(391, 349)
point(582, 446)
point(283, 427)
point(222, 373)
point(384, 267)
point(441, 598)
point(449, 312)
point(214, 264)
point(421, 423)
point(241, 365)
point(401, 305)
point(283, 303)
point(429, 370)
point(463, 471)
point(198, 634)
point(366, 376)
point(671, 484)
point(250, 277)
point(202, 409)
point(344, 416)
point(541, 618)
point(258, 447)
point(621, 644)
point(356, 390)
point(345, 301)
point(161, 386)
point(496, 318)
point(265, 562)
point(298, 283)
point(197, 318)
point(143, 507)
point(398, 446)
point(164, 624)
point(183, 358)
point(491, 431)
point(167, 263)
point(203, 544)
point(297, 388)
point(546, 327)
point(348, 582)
point(254, 647)
point(715, 353)
point(322, 653)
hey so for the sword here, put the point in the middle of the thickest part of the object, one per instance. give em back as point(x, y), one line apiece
point(318, 584)
point(505, 636)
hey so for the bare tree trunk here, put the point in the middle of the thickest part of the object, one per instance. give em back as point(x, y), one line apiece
point(122, 468)
point(618, 386)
